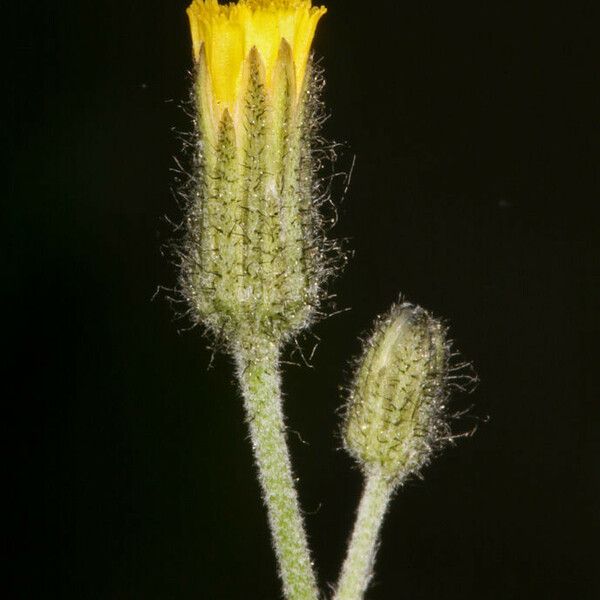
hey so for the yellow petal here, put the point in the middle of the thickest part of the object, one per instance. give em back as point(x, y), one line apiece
point(228, 32)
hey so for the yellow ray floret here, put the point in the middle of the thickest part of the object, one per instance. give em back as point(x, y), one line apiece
point(228, 32)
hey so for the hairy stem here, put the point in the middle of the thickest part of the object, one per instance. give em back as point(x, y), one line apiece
point(358, 565)
point(258, 373)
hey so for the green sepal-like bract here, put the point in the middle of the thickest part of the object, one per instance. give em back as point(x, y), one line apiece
point(253, 259)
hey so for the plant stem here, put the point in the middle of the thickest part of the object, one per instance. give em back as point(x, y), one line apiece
point(258, 373)
point(358, 565)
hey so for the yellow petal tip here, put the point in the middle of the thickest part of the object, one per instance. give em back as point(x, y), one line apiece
point(228, 32)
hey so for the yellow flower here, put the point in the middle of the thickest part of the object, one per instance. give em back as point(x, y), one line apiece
point(224, 35)
point(255, 259)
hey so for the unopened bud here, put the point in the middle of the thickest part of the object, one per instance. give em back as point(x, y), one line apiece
point(394, 418)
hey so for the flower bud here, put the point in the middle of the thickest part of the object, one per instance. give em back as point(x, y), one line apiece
point(394, 416)
point(253, 261)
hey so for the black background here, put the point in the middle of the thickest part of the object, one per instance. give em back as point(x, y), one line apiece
point(472, 194)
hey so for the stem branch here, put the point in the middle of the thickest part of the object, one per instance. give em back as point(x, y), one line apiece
point(258, 373)
point(358, 565)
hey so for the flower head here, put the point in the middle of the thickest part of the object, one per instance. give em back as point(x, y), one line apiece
point(226, 34)
point(255, 256)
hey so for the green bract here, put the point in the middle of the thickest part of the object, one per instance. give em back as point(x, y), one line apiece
point(254, 261)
